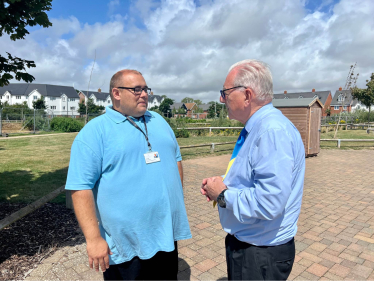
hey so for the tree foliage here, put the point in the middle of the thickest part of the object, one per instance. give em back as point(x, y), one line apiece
point(365, 96)
point(215, 109)
point(15, 16)
point(187, 100)
point(39, 104)
point(165, 106)
point(92, 108)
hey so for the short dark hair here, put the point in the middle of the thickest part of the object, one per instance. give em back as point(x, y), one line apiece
point(117, 79)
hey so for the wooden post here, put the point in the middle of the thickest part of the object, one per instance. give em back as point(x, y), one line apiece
point(338, 143)
point(212, 148)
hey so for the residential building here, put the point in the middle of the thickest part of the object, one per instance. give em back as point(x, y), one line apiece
point(60, 100)
point(154, 100)
point(344, 101)
point(324, 97)
point(99, 98)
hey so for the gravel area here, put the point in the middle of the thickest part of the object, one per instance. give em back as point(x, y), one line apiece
point(27, 242)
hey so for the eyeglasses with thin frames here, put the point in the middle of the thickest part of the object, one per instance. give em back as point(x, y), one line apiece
point(223, 94)
point(137, 91)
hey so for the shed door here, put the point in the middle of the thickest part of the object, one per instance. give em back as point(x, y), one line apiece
point(315, 126)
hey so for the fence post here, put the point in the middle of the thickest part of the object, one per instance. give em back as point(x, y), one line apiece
point(210, 130)
point(338, 143)
point(34, 120)
point(212, 148)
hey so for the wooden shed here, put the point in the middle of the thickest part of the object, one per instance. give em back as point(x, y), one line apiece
point(305, 114)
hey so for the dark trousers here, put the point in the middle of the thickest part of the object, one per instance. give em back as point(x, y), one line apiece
point(249, 262)
point(162, 266)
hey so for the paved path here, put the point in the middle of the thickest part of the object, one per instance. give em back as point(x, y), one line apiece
point(336, 228)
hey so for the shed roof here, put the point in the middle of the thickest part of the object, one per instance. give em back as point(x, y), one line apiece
point(296, 102)
point(24, 89)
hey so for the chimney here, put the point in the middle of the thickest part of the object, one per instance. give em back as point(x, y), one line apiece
point(340, 89)
point(99, 90)
point(285, 92)
point(313, 90)
point(151, 93)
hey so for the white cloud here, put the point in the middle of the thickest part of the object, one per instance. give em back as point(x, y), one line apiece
point(186, 50)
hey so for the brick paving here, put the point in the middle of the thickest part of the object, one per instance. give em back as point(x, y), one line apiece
point(335, 240)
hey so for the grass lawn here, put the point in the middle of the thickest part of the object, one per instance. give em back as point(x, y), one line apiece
point(32, 167)
point(348, 134)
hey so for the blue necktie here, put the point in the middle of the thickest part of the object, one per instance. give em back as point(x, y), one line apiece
point(239, 143)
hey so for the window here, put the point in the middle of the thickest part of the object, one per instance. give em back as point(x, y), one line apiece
point(52, 98)
point(72, 108)
point(345, 107)
point(300, 97)
point(53, 107)
point(18, 97)
point(63, 98)
point(35, 97)
point(108, 101)
point(286, 98)
point(341, 97)
point(72, 99)
point(63, 108)
point(336, 107)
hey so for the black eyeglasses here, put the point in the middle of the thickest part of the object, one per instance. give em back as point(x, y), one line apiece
point(137, 91)
point(223, 94)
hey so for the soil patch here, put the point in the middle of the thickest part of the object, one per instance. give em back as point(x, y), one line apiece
point(28, 241)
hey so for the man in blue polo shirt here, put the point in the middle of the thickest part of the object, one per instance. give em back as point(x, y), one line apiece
point(260, 196)
point(126, 176)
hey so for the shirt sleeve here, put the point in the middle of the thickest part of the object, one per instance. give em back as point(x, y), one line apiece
point(84, 168)
point(272, 164)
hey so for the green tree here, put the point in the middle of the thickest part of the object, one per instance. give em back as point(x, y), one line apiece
point(39, 103)
point(187, 100)
point(15, 16)
point(16, 111)
point(198, 102)
point(214, 109)
point(165, 106)
point(365, 96)
point(92, 108)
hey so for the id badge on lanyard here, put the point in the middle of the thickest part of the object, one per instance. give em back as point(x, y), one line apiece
point(150, 156)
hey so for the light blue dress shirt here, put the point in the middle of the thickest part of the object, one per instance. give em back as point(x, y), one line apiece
point(140, 206)
point(266, 181)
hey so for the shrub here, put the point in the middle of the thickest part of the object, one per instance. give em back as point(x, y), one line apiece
point(65, 124)
point(183, 133)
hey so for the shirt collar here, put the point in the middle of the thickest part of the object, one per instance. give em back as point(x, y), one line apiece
point(118, 117)
point(257, 116)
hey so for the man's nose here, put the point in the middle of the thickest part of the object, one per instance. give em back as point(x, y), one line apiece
point(221, 99)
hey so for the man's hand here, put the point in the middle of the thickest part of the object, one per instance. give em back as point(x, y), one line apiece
point(98, 251)
point(212, 187)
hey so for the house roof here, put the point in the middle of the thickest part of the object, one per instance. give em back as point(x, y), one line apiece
point(151, 98)
point(189, 105)
point(204, 106)
point(307, 102)
point(98, 95)
point(348, 98)
point(322, 95)
point(24, 89)
point(176, 105)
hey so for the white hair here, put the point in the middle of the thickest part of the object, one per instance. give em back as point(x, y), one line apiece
point(256, 75)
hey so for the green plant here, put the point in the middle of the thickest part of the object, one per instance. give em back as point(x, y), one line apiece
point(65, 124)
point(182, 133)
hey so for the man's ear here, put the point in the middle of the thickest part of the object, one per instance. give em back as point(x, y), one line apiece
point(116, 94)
point(248, 95)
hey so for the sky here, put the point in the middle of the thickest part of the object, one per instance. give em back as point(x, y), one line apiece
point(184, 48)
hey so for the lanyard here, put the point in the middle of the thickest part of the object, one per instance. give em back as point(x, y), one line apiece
point(146, 131)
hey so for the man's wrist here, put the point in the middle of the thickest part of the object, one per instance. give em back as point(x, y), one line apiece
point(221, 199)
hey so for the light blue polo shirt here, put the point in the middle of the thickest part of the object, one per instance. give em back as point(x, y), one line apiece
point(140, 206)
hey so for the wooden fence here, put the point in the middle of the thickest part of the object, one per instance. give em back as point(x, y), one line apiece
point(338, 141)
